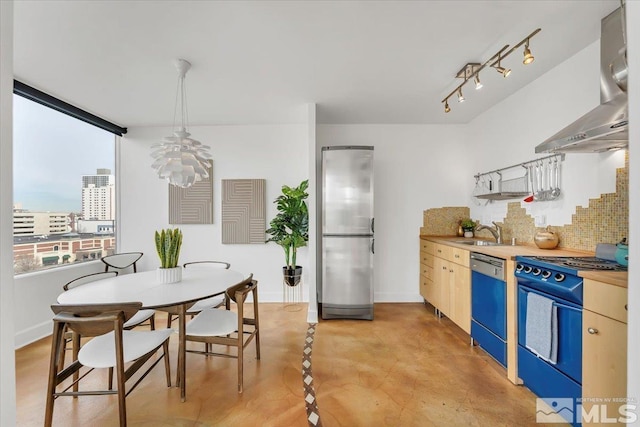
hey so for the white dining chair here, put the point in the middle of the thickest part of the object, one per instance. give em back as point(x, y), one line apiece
point(112, 347)
point(213, 302)
point(122, 261)
point(228, 328)
point(138, 319)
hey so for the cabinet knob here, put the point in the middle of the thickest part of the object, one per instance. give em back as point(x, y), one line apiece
point(625, 307)
point(439, 251)
point(592, 331)
point(444, 268)
point(457, 256)
point(450, 271)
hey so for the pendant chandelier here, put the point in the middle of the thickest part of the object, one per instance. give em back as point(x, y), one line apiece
point(181, 160)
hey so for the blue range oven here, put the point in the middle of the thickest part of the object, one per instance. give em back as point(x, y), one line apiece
point(555, 278)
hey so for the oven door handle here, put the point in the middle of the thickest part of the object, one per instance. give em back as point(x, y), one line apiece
point(556, 303)
point(564, 306)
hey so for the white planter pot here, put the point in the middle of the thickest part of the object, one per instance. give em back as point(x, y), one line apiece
point(468, 234)
point(169, 275)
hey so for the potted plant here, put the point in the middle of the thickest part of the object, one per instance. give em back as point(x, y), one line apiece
point(468, 225)
point(290, 228)
point(168, 243)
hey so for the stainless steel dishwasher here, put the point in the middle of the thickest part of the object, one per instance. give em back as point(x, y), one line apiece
point(489, 305)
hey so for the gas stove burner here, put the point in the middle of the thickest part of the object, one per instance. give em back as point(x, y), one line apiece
point(581, 263)
point(589, 265)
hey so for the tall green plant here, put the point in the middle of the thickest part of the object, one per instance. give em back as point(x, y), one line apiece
point(168, 243)
point(290, 227)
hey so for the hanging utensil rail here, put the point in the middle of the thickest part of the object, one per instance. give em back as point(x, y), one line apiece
point(557, 156)
point(540, 178)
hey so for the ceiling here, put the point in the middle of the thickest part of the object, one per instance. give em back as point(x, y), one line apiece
point(261, 62)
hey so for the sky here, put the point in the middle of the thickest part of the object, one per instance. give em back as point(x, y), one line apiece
point(51, 152)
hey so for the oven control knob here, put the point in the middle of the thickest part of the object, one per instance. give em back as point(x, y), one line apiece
point(546, 274)
point(527, 269)
point(536, 271)
point(519, 267)
point(559, 277)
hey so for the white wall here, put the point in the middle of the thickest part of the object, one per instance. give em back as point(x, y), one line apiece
point(312, 202)
point(37, 291)
point(278, 154)
point(508, 133)
point(633, 331)
point(7, 331)
point(416, 167)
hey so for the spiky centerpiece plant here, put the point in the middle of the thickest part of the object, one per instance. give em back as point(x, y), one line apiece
point(168, 243)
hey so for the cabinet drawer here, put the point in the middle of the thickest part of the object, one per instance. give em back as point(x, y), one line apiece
point(426, 259)
point(427, 246)
point(427, 290)
point(426, 271)
point(442, 251)
point(608, 300)
point(459, 256)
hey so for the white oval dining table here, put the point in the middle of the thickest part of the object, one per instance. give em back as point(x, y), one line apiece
point(175, 298)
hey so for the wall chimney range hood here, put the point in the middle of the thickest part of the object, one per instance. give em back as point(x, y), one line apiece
point(605, 127)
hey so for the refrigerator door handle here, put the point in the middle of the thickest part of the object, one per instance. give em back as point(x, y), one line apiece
point(372, 224)
point(373, 246)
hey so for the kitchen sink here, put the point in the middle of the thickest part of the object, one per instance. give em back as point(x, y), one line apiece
point(478, 243)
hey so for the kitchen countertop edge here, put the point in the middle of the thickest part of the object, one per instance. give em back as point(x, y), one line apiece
point(509, 252)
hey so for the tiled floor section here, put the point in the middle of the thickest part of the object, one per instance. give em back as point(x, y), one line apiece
point(406, 368)
point(313, 415)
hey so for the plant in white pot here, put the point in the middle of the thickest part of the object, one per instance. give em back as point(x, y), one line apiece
point(168, 243)
point(468, 225)
point(290, 228)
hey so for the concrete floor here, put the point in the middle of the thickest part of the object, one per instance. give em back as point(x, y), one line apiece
point(406, 368)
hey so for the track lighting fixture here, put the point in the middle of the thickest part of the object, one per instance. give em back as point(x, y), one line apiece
point(472, 70)
point(478, 83)
point(528, 57)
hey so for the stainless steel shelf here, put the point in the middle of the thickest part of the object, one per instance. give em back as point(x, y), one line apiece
point(503, 195)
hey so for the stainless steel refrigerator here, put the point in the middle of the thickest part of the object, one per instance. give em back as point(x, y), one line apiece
point(347, 233)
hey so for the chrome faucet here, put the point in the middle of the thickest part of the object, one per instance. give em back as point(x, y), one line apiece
point(496, 232)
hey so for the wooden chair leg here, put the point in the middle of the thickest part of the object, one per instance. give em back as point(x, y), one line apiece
point(120, 378)
point(257, 322)
point(110, 379)
point(167, 368)
point(169, 317)
point(240, 364)
point(152, 322)
point(75, 349)
point(56, 340)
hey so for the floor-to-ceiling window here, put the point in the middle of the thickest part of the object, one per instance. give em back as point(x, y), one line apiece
point(63, 188)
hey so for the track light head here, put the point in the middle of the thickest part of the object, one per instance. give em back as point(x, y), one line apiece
point(504, 71)
point(478, 83)
point(446, 106)
point(460, 96)
point(528, 57)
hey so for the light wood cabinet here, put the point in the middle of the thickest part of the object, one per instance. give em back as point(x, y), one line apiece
point(445, 281)
point(604, 349)
point(441, 277)
point(427, 289)
point(460, 296)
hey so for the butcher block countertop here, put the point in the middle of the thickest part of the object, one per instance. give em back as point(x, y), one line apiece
point(618, 278)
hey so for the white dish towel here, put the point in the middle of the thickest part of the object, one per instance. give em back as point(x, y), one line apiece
point(541, 334)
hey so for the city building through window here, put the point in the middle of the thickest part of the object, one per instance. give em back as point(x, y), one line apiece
point(64, 188)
